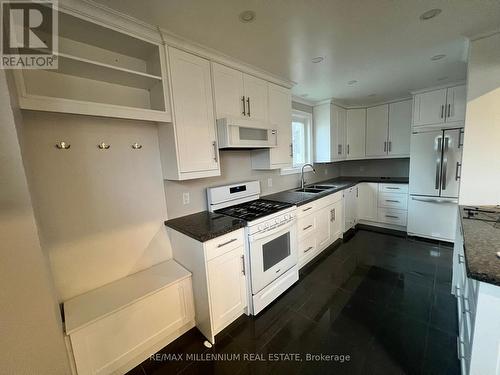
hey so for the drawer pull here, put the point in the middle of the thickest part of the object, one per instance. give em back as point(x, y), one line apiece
point(243, 271)
point(392, 216)
point(309, 226)
point(227, 242)
point(306, 209)
point(308, 249)
point(391, 200)
point(392, 188)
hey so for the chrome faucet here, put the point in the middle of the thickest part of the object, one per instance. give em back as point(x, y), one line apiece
point(302, 182)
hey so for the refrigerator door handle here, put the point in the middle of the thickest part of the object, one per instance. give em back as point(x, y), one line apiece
point(434, 200)
point(438, 164)
point(445, 163)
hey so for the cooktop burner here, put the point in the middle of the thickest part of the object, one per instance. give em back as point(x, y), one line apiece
point(254, 209)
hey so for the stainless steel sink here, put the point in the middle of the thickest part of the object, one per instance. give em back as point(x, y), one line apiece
point(309, 190)
point(323, 187)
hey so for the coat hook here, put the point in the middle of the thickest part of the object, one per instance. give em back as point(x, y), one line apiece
point(136, 146)
point(63, 145)
point(103, 146)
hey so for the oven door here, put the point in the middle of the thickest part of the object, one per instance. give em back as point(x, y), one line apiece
point(272, 253)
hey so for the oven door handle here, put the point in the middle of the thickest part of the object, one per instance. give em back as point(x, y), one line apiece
point(276, 232)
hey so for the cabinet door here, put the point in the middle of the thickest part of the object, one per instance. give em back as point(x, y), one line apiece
point(228, 89)
point(350, 208)
point(193, 112)
point(429, 107)
point(367, 201)
point(399, 128)
point(335, 219)
point(280, 117)
point(338, 131)
point(325, 146)
point(323, 228)
point(377, 123)
point(256, 97)
point(227, 285)
point(455, 103)
point(355, 138)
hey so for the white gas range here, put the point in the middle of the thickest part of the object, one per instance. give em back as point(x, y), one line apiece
point(271, 231)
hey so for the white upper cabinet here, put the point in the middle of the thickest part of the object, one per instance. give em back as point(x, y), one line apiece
point(238, 94)
point(255, 97)
point(355, 134)
point(439, 106)
point(280, 118)
point(456, 98)
point(377, 122)
point(193, 120)
point(329, 133)
point(399, 128)
point(228, 89)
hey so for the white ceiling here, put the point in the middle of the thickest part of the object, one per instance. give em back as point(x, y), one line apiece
point(380, 43)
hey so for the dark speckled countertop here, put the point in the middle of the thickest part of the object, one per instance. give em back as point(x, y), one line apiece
point(205, 225)
point(297, 198)
point(481, 243)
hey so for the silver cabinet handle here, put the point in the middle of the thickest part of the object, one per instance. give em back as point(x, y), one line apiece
point(390, 146)
point(214, 145)
point(244, 109)
point(385, 146)
point(461, 259)
point(306, 209)
point(392, 216)
point(339, 149)
point(309, 226)
point(308, 249)
point(291, 150)
point(442, 110)
point(449, 110)
point(392, 188)
point(347, 149)
point(227, 242)
point(460, 140)
point(392, 200)
point(438, 164)
point(243, 271)
point(434, 200)
point(357, 192)
point(445, 164)
point(457, 176)
point(248, 106)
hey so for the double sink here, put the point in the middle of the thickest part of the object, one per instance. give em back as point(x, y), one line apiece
point(316, 189)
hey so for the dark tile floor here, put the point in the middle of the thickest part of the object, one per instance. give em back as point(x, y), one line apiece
point(380, 302)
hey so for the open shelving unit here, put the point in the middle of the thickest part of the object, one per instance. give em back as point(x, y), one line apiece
point(100, 72)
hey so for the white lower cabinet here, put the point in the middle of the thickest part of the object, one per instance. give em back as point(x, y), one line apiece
point(368, 201)
point(219, 280)
point(319, 225)
point(350, 207)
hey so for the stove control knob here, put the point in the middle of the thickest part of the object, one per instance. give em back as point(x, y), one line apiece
point(287, 217)
point(267, 225)
point(261, 227)
point(277, 221)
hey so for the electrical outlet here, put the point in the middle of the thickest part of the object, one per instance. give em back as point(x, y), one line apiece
point(326, 171)
point(269, 182)
point(185, 198)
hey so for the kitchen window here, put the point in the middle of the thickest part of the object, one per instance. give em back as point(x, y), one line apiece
point(301, 141)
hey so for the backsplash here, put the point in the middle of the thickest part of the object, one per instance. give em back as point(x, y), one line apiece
point(376, 167)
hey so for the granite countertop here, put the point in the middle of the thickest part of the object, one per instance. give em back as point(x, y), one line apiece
point(205, 225)
point(298, 198)
point(481, 243)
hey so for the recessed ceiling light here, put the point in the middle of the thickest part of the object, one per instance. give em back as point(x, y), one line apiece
point(442, 78)
point(438, 57)
point(430, 14)
point(247, 16)
point(353, 82)
point(317, 59)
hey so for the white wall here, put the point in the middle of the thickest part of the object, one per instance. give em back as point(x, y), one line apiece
point(31, 333)
point(100, 212)
point(480, 182)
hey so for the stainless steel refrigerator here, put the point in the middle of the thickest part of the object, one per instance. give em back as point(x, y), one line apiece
point(435, 167)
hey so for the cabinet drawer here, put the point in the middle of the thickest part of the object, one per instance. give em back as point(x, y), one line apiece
point(225, 243)
point(307, 249)
point(306, 209)
point(392, 216)
point(393, 188)
point(393, 200)
point(306, 225)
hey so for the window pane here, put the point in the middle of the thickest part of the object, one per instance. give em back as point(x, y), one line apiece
point(299, 142)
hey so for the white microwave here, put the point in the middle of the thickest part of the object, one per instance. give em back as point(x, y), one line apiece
point(245, 133)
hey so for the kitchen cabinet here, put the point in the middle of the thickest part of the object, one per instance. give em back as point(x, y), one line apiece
point(399, 128)
point(445, 105)
point(377, 123)
point(335, 218)
point(355, 133)
point(219, 278)
point(226, 277)
point(350, 207)
point(368, 201)
point(193, 126)
point(330, 123)
point(238, 94)
point(280, 118)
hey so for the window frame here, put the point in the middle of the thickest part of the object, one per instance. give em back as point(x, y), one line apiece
point(302, 115)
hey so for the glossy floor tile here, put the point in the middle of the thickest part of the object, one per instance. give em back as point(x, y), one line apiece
point(376, 304)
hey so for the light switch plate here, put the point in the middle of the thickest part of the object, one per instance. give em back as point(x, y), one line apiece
point(185, 198)
point(269, 182)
